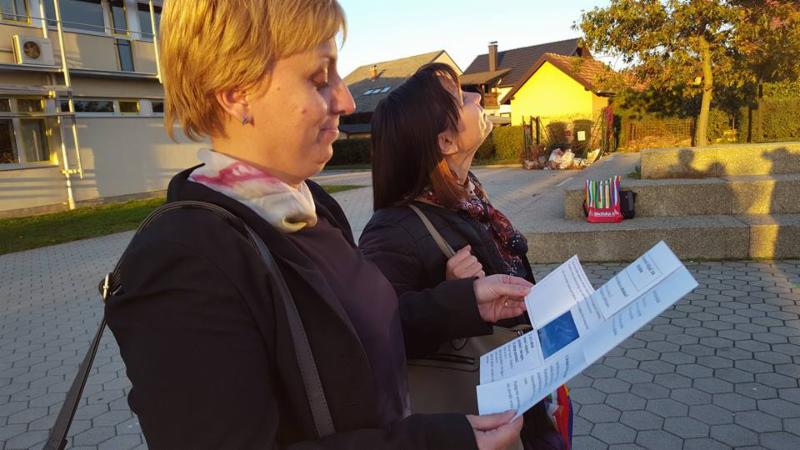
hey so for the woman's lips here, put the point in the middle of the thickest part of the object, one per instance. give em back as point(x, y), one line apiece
point(332, 133)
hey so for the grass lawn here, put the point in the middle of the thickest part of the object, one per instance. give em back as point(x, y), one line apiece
point(354, 167)
point(334, 188)
point(25, 233)
point(39, 231)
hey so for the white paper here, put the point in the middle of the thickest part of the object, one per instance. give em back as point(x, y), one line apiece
point(622, 325)
point(522, 392)
point(573, 326)
point(512, 358)
point(558, 292)
point(634, 280)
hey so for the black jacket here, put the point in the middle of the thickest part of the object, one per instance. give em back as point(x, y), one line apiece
point(396, 240)
point(209, 352)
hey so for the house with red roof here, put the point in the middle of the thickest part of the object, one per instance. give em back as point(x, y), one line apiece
point(554, 81)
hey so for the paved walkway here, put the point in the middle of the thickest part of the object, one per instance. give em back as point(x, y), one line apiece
point(719, 370)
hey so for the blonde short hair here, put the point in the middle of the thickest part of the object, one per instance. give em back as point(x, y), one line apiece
point(208, 46)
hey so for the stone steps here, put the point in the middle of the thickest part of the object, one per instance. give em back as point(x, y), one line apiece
point(708, 237)
point(721, 160)
point(732, 195)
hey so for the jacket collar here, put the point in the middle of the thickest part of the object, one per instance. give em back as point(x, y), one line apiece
point(180, 188)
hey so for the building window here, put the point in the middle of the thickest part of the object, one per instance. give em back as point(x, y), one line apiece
point(30, 105)
point(103, 106)
point(78, 14)
point(119, 22)
point(125, 54)
point(90, 106)
point(158, 107)
point(144, 19)
point(16, 10)
point(129, 107)
point(23, 139)
point(8, 145)
point(34, 140)
point(380, 90)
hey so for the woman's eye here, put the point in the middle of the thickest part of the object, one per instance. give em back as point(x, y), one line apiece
point(320, 82)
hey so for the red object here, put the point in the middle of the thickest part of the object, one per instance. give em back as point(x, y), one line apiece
point(563, 415)
point(604, 215)
point(602, 201)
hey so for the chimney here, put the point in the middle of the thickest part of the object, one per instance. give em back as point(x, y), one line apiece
point(373, 72)
point(492, 56)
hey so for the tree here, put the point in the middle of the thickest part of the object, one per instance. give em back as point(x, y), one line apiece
point(690, 48)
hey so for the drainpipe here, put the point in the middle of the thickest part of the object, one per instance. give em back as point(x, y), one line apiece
point(68, 83)
point(44, 19)
point(155, 40)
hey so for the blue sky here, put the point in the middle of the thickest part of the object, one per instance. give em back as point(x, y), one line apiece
point(380, 30)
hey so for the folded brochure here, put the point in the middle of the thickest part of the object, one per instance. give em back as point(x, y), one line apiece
point(574, 325)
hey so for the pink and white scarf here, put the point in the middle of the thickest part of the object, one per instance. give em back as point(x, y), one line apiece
point(282, 206)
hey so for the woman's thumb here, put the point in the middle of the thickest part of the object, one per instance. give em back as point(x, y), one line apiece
point(491, 421)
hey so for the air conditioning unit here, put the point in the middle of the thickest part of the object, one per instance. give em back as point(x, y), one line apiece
point(33, 50)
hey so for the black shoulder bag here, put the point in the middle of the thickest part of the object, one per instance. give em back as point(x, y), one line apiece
point(111, 285)
point(445, 381)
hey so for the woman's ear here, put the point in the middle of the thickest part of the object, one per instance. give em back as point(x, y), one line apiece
point(447, 143)
point(234, 102)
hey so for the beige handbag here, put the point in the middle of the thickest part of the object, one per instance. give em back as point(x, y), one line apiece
point(445, 381)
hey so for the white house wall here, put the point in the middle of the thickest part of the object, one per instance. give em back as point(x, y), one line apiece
point(123, 156)
point(32, 189)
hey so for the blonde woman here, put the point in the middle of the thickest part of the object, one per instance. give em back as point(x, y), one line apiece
point(205, 342)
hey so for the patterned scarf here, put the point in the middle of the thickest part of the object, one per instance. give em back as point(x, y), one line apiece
point(511, 244)
point(282, 206)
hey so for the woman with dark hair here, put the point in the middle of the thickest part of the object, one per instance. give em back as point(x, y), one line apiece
point(424, 137)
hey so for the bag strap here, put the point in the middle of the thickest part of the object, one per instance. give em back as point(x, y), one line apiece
point(437, 237)
point(111, 284)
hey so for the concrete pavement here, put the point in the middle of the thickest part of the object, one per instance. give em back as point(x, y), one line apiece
point(718, 370)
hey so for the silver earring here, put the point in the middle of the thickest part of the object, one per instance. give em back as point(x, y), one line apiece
point(246, 119)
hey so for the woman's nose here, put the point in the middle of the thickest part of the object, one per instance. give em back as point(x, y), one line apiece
point(342, 102)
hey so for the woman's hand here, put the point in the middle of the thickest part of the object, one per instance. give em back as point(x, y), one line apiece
point(495, 431)
point(463, 265)
point(501, 296)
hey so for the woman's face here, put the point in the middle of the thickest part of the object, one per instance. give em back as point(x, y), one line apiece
point(473, 124)
point(296, 119)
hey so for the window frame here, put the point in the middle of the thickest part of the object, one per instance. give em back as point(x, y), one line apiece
point(105, 12)
point(15, 117)
point(112, 23)
point(117, 47)
point(75, 101)
point(158, 9)
point(115, 105)
point(25, 18)
point(155, 113)
point(118, 107)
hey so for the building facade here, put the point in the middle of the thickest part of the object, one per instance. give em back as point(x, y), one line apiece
point(81, 104)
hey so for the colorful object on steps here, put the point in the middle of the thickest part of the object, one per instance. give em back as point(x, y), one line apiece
point(603, 200)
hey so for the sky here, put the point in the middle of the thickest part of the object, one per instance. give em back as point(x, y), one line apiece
point(380, 30)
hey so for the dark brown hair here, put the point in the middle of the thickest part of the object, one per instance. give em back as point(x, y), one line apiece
point(406, 157)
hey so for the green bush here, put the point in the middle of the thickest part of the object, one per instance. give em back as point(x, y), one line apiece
point(718, 123)
point(351, 151)
point(784, 90)
point(773, 120)
point(508, 142)
point(486, 150)
point(780, 119)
